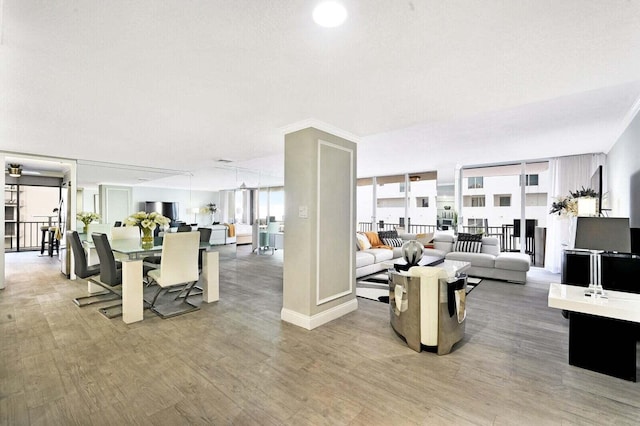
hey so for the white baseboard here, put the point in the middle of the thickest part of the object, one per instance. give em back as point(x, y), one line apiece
point(311, 322)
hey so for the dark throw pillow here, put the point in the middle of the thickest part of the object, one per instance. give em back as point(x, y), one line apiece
point(469, 237)
point(387, 234)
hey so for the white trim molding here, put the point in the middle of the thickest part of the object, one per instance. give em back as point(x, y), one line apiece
point(313, 321)
point(319, 201)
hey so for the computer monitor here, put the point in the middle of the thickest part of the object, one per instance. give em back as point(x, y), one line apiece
point(603, 233)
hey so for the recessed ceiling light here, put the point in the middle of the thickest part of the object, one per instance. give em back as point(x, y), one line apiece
point(329, 14)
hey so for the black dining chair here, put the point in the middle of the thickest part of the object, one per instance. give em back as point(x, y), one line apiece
point(205, 236)
point(110, 272)
point(84, 271)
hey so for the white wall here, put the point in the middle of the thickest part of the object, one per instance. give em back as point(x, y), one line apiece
point(623, 174)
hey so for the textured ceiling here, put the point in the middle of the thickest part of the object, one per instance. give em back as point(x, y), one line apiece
point(179, 84)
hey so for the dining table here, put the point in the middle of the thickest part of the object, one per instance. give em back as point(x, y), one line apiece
point(131, 257)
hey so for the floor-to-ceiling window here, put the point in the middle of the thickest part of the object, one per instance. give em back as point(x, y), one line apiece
point(365, 213)
point(405, 200)
point(391, 192)
point(271, 204)
point(497, 199)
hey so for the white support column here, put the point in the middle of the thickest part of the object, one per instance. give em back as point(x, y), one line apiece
point(320, 185)
point(132, 291)
point(523, 208)
point(211, 277)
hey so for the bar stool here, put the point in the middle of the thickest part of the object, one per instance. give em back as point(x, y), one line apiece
point(44, 230)
point(54, 243)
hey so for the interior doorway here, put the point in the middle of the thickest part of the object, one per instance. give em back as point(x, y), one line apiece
point(28, 210)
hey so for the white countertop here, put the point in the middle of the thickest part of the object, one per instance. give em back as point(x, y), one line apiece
point(619, 305)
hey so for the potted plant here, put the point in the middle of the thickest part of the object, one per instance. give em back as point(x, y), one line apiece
point(147, 223)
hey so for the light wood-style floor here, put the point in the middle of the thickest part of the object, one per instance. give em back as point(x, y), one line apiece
point(236, 362)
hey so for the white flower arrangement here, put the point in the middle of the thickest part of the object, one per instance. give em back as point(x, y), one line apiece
point(87, 217)
point(147, 220)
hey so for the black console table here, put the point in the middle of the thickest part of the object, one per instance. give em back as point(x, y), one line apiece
point(617, 273)
point(602, 333)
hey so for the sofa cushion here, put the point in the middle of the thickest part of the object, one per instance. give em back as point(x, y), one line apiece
point(432, 252)
point(513, 261)
point(476, 259)
point(443, 242)
point(380, 254)
point(491, 245)
point(363, 241)
point(364, 259)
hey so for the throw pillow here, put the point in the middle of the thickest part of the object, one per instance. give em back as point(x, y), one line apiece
point(468, 246)
point(424, 238)
point(373, 238)
point(363, 241)
point(469, 237)
point(393, 242)
point(387, 234)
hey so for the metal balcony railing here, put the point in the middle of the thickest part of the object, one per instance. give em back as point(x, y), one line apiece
point(24, 236)
point(508, 242)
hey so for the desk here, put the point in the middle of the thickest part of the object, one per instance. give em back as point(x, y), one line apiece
point(132, 285)
point(602, 332)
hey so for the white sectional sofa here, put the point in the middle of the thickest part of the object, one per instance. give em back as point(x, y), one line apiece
point(489, 263)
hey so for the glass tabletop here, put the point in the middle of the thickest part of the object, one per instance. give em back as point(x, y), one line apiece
point(133, 248)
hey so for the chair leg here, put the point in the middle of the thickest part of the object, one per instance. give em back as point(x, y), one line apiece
point(103, 296)
point(155, 298)
point(168, 310)
point(109, 312)
point(188, 289)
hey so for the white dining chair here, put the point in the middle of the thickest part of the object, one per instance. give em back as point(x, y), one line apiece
point(178, 268)
point(125, 233)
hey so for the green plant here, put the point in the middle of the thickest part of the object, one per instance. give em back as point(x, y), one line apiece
point(584, 192)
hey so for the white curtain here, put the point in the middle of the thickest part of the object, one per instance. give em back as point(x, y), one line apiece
point(566, 174)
